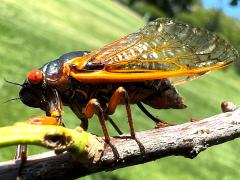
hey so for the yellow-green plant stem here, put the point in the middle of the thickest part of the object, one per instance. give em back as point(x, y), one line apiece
point(49, 136)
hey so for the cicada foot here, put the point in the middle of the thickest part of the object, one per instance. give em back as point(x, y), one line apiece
point(94, 107)
point(162, 124)
point(159, 123)
point(114, 150)
point(194, 120)
point(140, 145)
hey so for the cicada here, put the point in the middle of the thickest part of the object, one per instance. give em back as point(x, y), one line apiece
point(132, 70)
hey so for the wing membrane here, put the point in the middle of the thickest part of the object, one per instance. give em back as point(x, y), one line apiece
point(163, 48)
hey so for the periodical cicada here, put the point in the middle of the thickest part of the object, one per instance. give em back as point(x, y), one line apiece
point(132, 70)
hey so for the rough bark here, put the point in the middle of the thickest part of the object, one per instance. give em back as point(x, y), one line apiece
point(188, 140)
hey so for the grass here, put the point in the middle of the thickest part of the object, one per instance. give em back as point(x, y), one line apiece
point(34, 32)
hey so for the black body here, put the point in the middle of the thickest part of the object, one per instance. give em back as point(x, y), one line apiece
point(57, 89)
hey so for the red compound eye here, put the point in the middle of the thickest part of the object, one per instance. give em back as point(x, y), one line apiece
point(35, 76)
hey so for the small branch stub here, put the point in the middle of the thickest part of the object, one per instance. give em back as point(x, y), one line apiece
point(228, 106)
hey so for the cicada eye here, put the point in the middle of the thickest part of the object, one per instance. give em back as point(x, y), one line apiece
point(35, 76)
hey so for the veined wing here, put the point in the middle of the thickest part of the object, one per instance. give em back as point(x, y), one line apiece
point(163, 48)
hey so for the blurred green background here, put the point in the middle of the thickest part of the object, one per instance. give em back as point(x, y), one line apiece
point(34, 32)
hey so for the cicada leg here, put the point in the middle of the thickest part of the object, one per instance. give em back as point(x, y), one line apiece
point(76, 108)
point(121, 96)
point(164, 96)
point(94, 107)
point(159, 123)
point(21, 152)
point(54, 112)
point(114, 125)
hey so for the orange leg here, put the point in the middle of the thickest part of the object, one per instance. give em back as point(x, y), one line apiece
point(21, 152)
point(44, 120)
point(94, 107)
point(54, 113)
point(118, 97)
point(109, 119)
point(121, 95)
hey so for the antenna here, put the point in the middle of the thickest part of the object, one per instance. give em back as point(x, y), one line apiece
point(10, 82)
point(13, 99)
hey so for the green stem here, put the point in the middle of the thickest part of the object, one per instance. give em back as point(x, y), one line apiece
point(57, 138)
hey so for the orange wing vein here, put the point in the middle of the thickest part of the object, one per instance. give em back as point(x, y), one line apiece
point(162, 49)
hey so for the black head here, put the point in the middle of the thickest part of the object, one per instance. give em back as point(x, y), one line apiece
point(35, 88)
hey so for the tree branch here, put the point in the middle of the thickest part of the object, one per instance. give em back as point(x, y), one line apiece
point(187, 140)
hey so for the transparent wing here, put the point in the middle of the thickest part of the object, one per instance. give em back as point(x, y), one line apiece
point(163, 46)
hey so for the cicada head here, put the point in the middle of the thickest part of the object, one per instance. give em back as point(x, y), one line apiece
point(39, 82)
point(32, 91)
